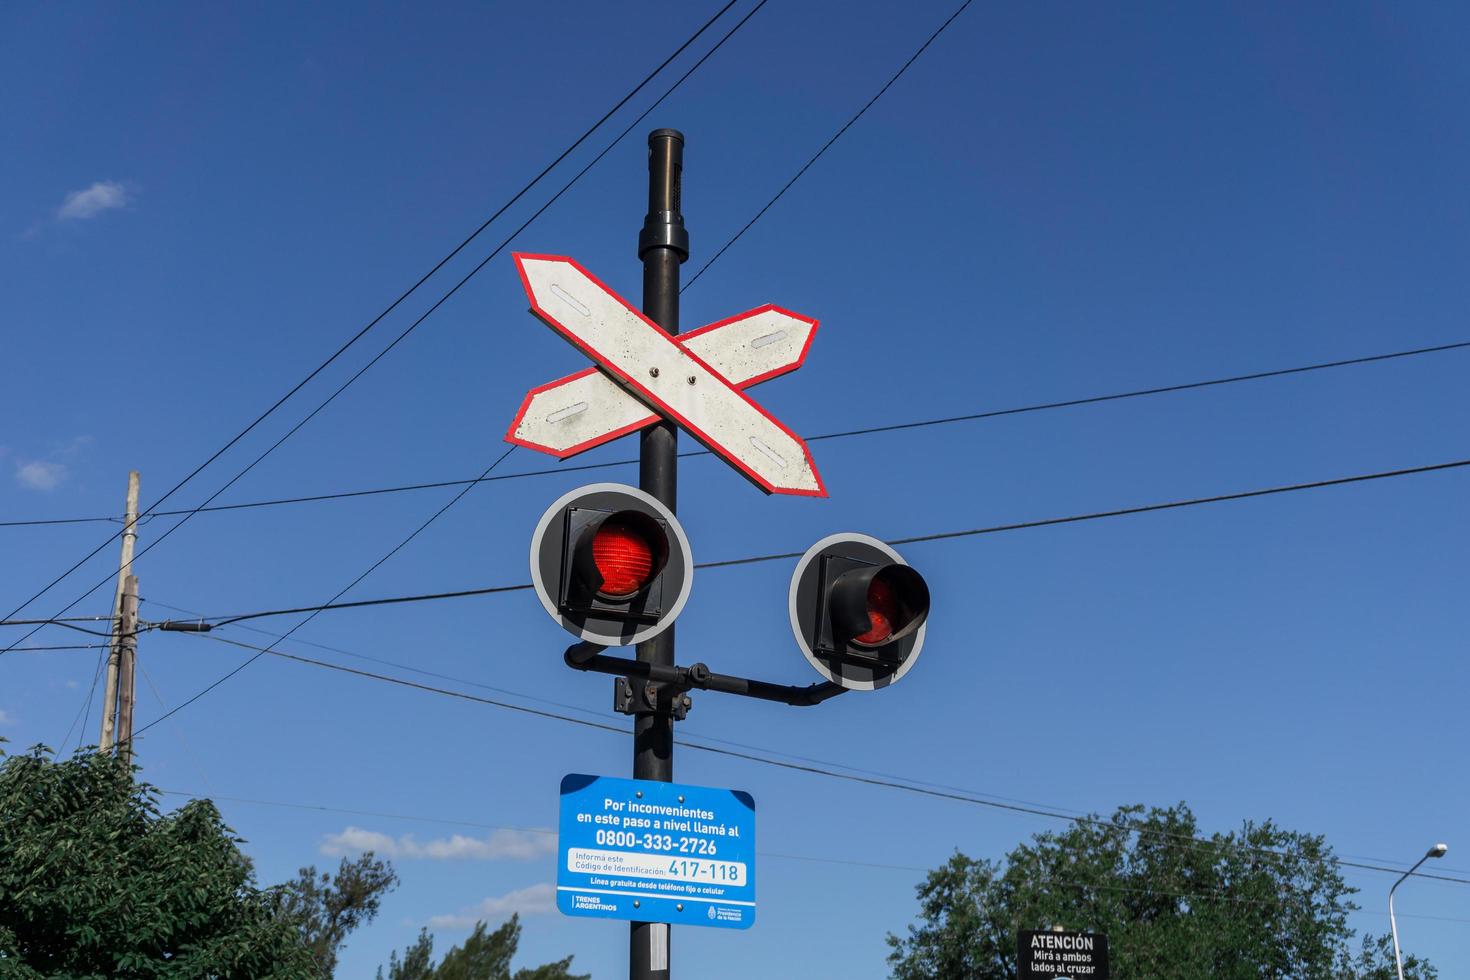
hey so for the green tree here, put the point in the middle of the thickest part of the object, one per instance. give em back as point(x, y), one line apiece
point(1225, 908)
point(485, 955)
point(96, 881)
point(326, 908)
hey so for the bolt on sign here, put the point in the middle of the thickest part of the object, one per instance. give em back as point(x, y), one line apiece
point(1052, 955)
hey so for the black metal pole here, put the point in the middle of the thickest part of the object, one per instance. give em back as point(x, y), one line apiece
point(662, 245)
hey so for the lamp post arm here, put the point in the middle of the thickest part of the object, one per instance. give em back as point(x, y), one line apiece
point(1393, 925)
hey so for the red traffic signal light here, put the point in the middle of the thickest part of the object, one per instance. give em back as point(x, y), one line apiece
point(858, 611)
point(624, 553)
point(611, 564)
point(873, 606)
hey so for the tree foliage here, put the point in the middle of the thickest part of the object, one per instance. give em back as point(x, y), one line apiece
point(326, 908)
point(1261, 902)
point(485, 955)
point(96, 881)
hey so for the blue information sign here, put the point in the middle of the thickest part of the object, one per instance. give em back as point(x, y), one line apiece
point(656, 852)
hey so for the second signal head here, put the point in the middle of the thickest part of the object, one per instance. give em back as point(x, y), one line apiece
point(858, 611)
point(611, 564)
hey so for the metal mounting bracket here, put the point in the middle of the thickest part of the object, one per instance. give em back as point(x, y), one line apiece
point(635, 696)
point(644, 688)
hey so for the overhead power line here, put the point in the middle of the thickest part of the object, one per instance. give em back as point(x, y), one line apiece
point(835, 137)
point(385, 662)
point(457, 497)
point(845, 434)
point(62, 520)
point(59, 620)
point(599, 714)
point(479, 825)
point(1146, 392)
point(314, 613)
point(84, 712)
point(908, 868)
point(212, 621)
point(369, 326)
point(1126, 511)
point(853, 777)
point(64, 624)
point(64, 646)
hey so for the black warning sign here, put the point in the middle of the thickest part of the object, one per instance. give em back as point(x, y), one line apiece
point(1061, 956)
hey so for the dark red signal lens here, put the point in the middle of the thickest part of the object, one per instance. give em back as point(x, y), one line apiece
point(883, 613)
point(624, 558)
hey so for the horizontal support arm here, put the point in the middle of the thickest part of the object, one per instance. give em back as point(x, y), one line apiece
point(590, 656)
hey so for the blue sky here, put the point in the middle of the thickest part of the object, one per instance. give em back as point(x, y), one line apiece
point(1056, 201)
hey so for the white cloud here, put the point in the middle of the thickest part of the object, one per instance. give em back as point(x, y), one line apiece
point(536, 900)
point(104, 195)
point(73, 685)
point(516, 845)
point(50, 472)
point(6, 718)
point(39, 474)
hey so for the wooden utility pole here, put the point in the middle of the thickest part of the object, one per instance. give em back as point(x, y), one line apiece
point(114, 659)
point(127, 667)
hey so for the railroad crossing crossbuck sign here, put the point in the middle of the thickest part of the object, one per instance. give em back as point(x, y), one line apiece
point(695, 380)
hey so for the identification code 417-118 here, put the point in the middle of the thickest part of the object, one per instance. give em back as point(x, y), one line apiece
point(635, 864)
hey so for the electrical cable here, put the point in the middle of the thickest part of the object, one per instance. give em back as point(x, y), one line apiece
point(765, 854)
point(177, 729)
point(567, 186)
point(58, 619)
point(85, 714)
point(463, 593)
point(835, 137)
point(597, 714)
point(39, 623)
point(756, 758)
point(478, 825)
point(793, 766)
point(915, 539)
point(363, 332)
point(1145, 392)
point(63, 646)
point(393, 663)
point(849, 433)
point(838, 435)
point(1213, 896)
point(371, 568)
point(60, 520)
point(1126, 511)
point(911, 868)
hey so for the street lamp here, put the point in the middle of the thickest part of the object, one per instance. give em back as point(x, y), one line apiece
point(1437, 851)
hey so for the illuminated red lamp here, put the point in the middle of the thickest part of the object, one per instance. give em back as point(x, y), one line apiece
point(624, 557)
point(883, 614)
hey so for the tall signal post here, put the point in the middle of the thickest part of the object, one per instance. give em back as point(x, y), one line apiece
point(612, 566)
point(663, 245)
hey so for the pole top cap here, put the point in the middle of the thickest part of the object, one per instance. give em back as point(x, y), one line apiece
point(659, 134)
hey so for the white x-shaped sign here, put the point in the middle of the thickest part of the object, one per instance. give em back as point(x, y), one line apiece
point(641, 373)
